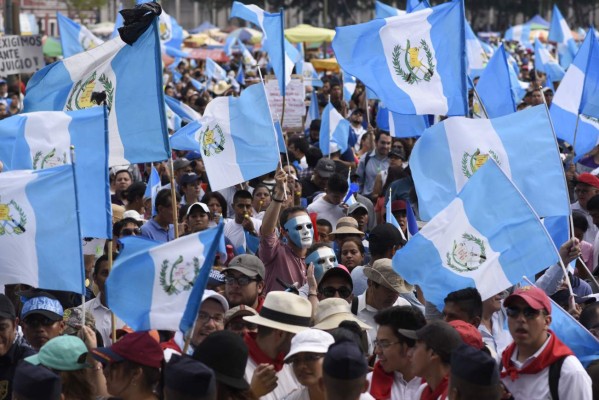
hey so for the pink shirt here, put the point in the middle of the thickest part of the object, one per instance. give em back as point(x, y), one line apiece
point(280, 262)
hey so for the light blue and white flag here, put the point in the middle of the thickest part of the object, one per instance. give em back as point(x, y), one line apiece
point(43, 140)
point(186, 113)
point(415, 63)
point(40, 244)
point(560, 32)
point(171, 33)
point(152, 188)
point(280, 137)
point(544, 62)
point(229, 135)
point(75, 38)
point(518, 87)
point(281, 53)
point(215, 71)
point(520, 34)
point(349, 86)
point(416, 5)
point(579, 84)
point(313, 111)
point(246, 55)
point(411, 218)
point(494, 86)
point(382, 10)
point(309, 74)
point(477, 57)
point(240, 76)
point(333, 129)
point(118, 23)
point(151, 282)
point(401, 126)
point(487, 237)
point(230, 41)
point(390, 218)
point(448, 154)
point(131, 78)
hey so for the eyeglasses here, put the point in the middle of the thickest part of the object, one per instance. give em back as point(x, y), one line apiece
point(130, 232)
point(36, 321)
point(240, 325)
point(529, 312)
point(306, 358)
point(383, 344)
point(204, 318)
point(241, 281)
point(329, 291)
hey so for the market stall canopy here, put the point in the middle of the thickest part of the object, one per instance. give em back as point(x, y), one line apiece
point(329, 64)
point(309, 34)
point(217, 55)
point(204, 26)
point(51, 47)
point(102, 29)
point(247, 35)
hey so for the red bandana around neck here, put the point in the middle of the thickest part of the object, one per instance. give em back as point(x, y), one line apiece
point(440, 391)
point(554, 350)
point(380, 386)
point(258, 355)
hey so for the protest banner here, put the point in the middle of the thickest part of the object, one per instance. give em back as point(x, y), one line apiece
point(295, 107)
point(20, 54)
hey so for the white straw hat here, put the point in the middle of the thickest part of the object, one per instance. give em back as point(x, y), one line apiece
point(332, 311)
point(284, 311)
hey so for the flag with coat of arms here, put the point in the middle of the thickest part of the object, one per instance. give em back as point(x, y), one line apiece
point(415, 63)
point(74, 37)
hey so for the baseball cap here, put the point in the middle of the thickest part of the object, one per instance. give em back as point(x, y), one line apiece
point(310, 341)
point(211, 294)
point(533, 296)
point(439, 336)
point(7, 309)
point(180, 163)
point(398, 205)
point(197, 205)
point(345, 361)
point(382, 273)
point(187, 376)
point(474, 366)
point(247, 264)
point(72, 318)
point(189, 178)
point(62, 353)
point(35, 382)
point(193, 155)
point(469, 333)
point(339, 271)
point(216, 278)
point(240, 311)
point(44, 304)
point(355, 207)
point(325, 167)
point(385, 235)
point(588, 179)
point(137, 347)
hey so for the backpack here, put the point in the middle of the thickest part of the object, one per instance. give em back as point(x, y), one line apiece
point(555, 370)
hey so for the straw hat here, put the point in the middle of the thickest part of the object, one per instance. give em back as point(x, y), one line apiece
point(332, 311)
point(347, 225)
point(382, 273)
point(284, 311)
point(220, 87)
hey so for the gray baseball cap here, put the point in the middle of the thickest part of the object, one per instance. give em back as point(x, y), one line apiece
point(247, 264)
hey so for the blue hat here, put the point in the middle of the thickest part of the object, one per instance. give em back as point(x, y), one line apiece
point(36, 382)
point(43, 304)
point(345, 361)
point(474, 366)
point(193, 155)
point(187, 376)
point(216, 278)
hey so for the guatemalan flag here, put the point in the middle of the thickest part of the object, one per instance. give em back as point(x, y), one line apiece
point(382, 10)
point(185, 112)
point(75, 38)
point(401, 126)
point(520, 34)
point(281, 53)
point(151, 283)
point(333, 129)
point(574, 97)
point(171, 33)
point(448, 154)
point(40, 243)
point(130, 76)
point(487, 237)
point(215, 71)
point(560, 32)
point(477, 57)
point(153, 188)
point(42, 140)
point(494, 86)
point(544, 62)
point(415, 63)
point(230, 135)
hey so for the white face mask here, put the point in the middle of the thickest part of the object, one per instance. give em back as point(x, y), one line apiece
point(300, 231)
point(324, 258)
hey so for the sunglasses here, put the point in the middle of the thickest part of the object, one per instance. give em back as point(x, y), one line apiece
point(130, 232)
point(329, 291)
point(240, 325)
point(39, 320)
point(529, 312)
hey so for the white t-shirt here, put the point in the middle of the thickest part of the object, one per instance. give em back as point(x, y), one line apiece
point(326, 210)
point(235, 233)
point(401, 390)
point(286, 382)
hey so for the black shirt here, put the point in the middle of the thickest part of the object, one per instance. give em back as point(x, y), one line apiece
point(8, 363)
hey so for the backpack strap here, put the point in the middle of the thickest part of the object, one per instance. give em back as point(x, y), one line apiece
point(555, 370)
point(354, 306)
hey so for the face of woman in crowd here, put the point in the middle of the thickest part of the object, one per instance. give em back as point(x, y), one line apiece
point(351, 256)
point(261, 199)
point(307, 368)
point(214, 206)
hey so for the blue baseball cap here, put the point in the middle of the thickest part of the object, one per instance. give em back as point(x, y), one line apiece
point(193, 155)
point(44, 305)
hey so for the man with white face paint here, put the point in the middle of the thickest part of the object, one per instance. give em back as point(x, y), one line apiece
point(323, 257)
point(283, 257)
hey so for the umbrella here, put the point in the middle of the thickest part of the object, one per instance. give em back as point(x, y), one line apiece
point(52, 47)
point(204, 26)
point(309, 33)
point(102, 29)
point(247, 35)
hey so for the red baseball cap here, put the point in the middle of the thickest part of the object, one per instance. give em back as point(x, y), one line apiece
point(470, 335)
point(533, 296)
point(137, 347)
point(398, 205)
point(588, 179)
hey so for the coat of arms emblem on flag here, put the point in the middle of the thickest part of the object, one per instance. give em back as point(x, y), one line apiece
point(49, 160)
point(472, 162)
point(12, 219)
point(418, 66)
point(179, 276)
point(80, 96)
point(467, 255)
point(212, 140)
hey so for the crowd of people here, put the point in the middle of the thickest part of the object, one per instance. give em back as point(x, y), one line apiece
point(306, 303)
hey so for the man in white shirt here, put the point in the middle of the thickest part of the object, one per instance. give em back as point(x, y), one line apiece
point(536, 351)
point(242, 222)
point(384, 287)
point(587, 186)
point(329, 206)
